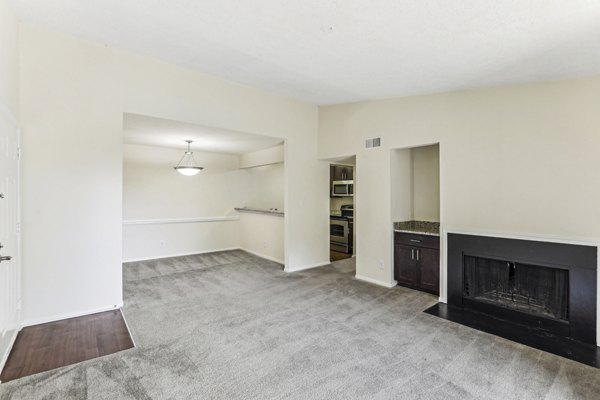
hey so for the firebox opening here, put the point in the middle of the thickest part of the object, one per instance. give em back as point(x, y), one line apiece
point(531, 289)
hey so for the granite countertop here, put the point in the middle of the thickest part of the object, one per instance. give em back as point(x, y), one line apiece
point(420, 227)
point(272, 211)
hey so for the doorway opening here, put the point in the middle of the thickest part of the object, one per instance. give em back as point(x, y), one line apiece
point(235, 202)
point(342, 237)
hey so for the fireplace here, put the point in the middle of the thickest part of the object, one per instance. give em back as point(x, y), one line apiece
point(542, 294)
point(534, 290)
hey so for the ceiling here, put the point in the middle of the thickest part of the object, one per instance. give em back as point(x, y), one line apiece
point(335, 51)
point(150, 131)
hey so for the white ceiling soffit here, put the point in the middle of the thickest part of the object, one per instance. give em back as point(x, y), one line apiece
point(335, 51)
point(151, 131)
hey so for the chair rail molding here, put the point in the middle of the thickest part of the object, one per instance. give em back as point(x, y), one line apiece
point(159, 221)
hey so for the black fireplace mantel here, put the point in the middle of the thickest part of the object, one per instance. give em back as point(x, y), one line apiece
point(579, 260)
point(576, 342)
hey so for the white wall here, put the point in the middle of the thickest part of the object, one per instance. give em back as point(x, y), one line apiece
point(9, 60)
point(515, 160)
point(73, 95)
point(262, 235)
point(152, 241)
point(154, 191)
point(266, 186)
point(401, 164)
point(426, 183)
point(166, 214)
point(271, 155)
point(415, 183)
point(504, 152)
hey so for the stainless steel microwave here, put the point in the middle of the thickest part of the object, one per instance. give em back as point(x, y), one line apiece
point(342, 188)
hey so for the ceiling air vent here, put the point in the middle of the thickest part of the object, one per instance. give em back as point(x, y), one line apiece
point(375, 142)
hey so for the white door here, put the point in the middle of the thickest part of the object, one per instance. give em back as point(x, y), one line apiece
point(9, 234)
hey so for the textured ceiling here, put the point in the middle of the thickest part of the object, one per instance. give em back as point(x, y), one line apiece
point(150, 131)
point(334, 51)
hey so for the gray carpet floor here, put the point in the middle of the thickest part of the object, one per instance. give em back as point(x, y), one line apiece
point(230, 325)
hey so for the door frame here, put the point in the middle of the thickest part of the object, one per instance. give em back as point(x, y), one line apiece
point(11, 119)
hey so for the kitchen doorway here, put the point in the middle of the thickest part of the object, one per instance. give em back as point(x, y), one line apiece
point(341, 208)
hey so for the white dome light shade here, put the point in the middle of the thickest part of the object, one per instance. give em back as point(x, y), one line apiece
point(187, 165)
point(188, 171)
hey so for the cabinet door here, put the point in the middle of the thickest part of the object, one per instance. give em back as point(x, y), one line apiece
point(405, 265)
point(349, 173)
point(429, 270)
point(341, 172)
point(336, 173)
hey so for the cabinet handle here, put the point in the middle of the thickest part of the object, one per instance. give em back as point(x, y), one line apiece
point(415, 240)
point(412, 253)
point(418, 255)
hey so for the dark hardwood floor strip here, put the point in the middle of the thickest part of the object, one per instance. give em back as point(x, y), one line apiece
point(57, 344)
point(336, 255)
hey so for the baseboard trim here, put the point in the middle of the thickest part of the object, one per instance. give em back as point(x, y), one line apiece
point(375, 281)
point(305, 267)
point(44, 320)
point(6, 351)
point(193, 253)
point(266, 257)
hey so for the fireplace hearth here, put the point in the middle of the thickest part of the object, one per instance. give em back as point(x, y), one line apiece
point(541, 294)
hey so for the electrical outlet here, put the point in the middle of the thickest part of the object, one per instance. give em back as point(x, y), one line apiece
point(381, 265)
point(163, 243)
point(264, 244)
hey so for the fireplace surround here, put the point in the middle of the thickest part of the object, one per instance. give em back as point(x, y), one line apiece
point(542, 294)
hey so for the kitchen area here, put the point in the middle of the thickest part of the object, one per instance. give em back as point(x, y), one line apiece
point(341, 216)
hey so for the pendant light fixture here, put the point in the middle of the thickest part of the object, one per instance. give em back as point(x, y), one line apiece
point(187, 165)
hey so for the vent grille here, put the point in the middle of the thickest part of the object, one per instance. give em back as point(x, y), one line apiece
point(374, 142)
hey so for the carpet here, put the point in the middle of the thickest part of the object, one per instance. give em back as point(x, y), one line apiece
point(230, 325)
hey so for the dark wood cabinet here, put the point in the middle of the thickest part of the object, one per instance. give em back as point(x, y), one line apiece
point(417, 261)
point(341, 172)
point(429, 270)
point(405, 264)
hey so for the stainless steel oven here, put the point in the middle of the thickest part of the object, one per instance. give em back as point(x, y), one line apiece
point(339, 234)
